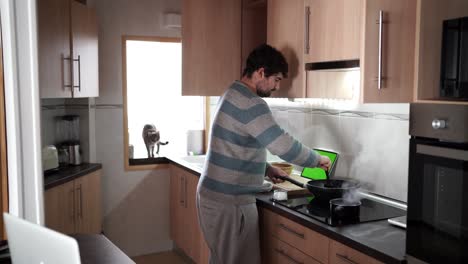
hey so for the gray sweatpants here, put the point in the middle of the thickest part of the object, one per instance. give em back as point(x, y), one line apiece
point(231, 231)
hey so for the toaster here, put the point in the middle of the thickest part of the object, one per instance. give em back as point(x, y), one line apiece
point(49, 158)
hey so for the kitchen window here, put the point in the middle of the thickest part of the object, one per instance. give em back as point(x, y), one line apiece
point(152, 78)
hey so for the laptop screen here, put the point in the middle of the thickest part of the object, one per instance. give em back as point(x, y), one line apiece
point(32, 243)
point(319, 173)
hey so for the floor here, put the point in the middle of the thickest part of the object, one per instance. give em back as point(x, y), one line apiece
point(169, 257)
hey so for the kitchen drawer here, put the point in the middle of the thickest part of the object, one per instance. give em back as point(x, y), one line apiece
point(297, 236)
point(279, 252)
point(341, 254)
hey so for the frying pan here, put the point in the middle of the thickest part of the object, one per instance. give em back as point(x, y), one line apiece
point(325, 190)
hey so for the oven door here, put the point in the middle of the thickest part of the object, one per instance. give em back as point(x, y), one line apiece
point(437, 228)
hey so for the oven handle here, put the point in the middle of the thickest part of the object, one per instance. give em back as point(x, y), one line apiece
point(449, 153)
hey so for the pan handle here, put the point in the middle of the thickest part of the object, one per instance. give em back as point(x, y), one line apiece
point(289, 179)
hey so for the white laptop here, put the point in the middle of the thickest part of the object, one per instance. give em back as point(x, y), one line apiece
point(34, 244)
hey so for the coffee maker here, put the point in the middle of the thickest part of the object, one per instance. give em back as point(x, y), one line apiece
point(68, 136)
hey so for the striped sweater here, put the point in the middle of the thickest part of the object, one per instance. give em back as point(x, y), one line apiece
point(243, 128)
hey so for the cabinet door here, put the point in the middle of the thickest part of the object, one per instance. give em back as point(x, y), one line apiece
point(85, 51)
point(211, 46)
point(204, 251)
point(432, 15)
point(397, 47)
point(192, 217)
point(294, 234)
point(88, 203)
point(285, 32)
point(179, 218)
point(341, 254)
point(334, 30)
point(278, 252)
point(53, 18)
point(59, 207)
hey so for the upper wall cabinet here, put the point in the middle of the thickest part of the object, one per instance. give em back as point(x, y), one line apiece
point(378, 33)
point(432, 13)
point(388, 51)
point(334, 30)
point(68, 49)
point(216, 37)
point(285, 31)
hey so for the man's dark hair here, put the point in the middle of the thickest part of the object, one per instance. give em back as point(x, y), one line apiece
point(267, 57)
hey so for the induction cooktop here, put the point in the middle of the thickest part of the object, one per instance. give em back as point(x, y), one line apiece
point(369, 211)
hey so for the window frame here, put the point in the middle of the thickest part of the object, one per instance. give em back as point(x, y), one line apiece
point(148, 163)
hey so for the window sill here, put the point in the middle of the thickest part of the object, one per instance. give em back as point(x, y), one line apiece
point(147, 164)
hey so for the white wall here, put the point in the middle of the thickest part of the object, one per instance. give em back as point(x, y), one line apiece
point(135, 204)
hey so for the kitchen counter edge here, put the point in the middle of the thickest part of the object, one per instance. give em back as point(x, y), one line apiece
point(66, 174)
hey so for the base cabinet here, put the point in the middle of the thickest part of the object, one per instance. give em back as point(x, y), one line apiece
point(75, 207)
point(285, 241)
point(185, 228)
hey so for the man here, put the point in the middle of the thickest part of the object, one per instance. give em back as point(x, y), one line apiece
point(243, 129)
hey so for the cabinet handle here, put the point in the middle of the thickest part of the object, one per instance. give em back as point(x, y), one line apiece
point(79, 73)
point(284, 254)
point(80, 200)
point(69, 60)
point(288, 229)
point(182, 191)
point(380, 22)
point(72, 211)
point(345, 259)
point(185, 193)
point(306, 30)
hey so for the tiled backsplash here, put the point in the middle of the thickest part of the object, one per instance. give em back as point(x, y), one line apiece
point(372, 139)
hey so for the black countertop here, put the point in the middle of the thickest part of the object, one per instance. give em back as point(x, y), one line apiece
point(378, 239)
point(65, 174)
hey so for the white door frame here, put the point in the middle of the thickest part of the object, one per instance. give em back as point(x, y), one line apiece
point(22, 107)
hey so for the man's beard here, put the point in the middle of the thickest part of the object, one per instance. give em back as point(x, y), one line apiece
point(263, 93)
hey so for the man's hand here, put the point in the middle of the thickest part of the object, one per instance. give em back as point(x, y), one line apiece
point(324, 163)
point(273, 171)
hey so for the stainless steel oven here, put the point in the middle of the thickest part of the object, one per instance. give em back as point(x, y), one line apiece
point(437, 217)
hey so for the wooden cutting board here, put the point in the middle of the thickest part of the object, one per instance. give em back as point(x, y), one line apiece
point(292, 189)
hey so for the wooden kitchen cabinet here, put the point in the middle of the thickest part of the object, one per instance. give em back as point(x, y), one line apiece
point(60, 208)
point(397, 56)
point(67, 49)
point(334, 30)
point(75, 207)
point(431, 15)
point(285, 31)
point(280, 252)
point(349, 30)
point(216, 38)
point(341, 254)
point(89, 203)
point(185, 228)
point(285, 239)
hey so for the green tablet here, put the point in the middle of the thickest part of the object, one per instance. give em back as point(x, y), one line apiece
point(318, 173)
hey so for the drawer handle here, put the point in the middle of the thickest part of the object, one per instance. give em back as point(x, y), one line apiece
point(283, 226)
point(282, 253)
point(345, 259)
